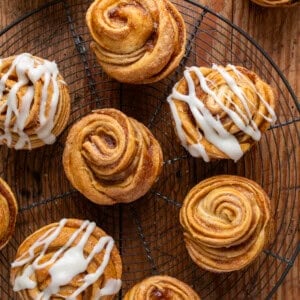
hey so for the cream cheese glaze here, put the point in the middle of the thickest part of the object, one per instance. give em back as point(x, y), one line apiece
point(67, 262)
point(29, 70)
point(211, 126)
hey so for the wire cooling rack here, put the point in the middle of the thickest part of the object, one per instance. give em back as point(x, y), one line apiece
point(147, 232)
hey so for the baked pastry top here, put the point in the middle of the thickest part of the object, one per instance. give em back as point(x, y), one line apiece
point(35, 102)
point(111, 158)
point(8, 213)
point(161, 287)
point(72, 259)
point(220, 112)
point(277, 3)
point(226, 221)
point(137, 41)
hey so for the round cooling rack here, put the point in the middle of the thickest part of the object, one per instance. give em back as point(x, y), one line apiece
point(147, 231)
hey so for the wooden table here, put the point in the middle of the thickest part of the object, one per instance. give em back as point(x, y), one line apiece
point(276, 30)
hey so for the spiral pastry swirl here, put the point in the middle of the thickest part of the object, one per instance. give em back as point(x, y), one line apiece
point(226, 222)
point(8, 213)
point(161, 287)
point(277, 3)
point(35, 102)
point(137, 41)
point(111, 158)
point(220, 112)
point(72, 259)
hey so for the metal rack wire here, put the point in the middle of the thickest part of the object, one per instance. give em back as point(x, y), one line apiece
point(147, 231)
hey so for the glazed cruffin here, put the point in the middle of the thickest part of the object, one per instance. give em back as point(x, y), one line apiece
point(35, 102)
point(221, 112)
point(137, 41)
point(71, 259)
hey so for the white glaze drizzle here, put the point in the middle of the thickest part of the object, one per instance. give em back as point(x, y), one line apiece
point(261, 98)
point(29, 70)
point(66, 263)
point(111, 287)
point(211, 126)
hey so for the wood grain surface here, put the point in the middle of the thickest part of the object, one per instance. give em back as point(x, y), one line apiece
point(276, 30)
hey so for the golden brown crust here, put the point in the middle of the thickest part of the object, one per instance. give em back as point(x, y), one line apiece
point(43, 278)
point(33, 119)
point(277, 3)
point(140, 41)
point(111, 158)
point(253, 87)
point(226, 221)
point(161, 287)
point(8, 213)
